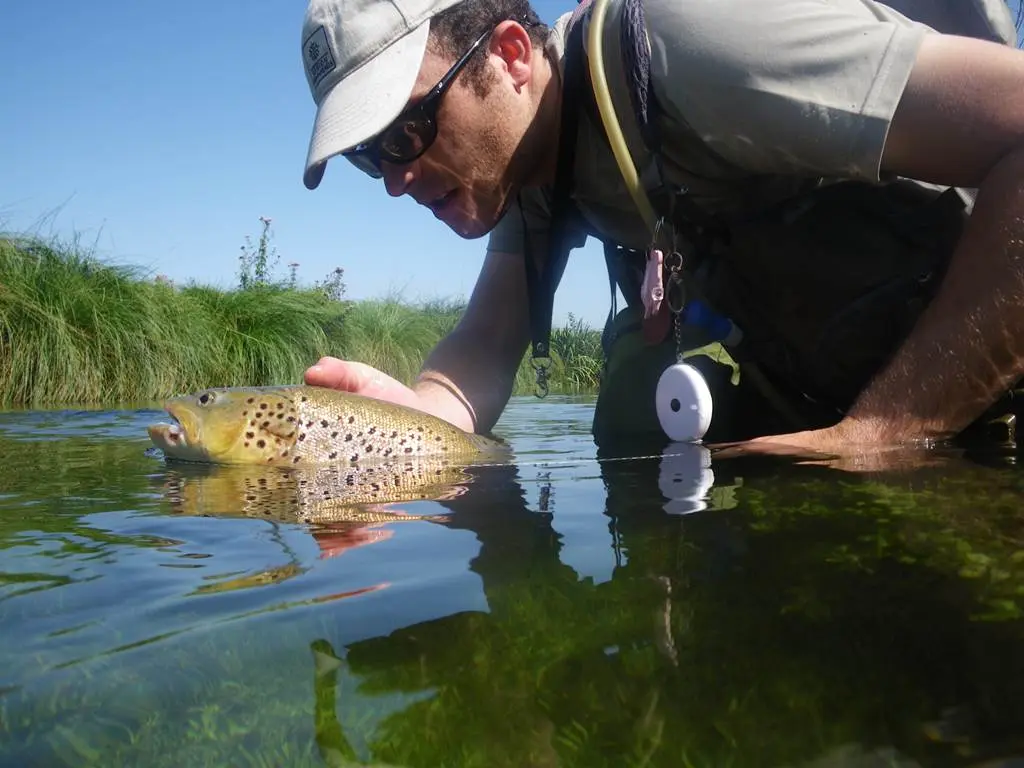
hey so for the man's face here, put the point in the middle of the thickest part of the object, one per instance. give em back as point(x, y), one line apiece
point(469, 173)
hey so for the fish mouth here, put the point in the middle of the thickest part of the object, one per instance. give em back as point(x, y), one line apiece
point(170, 436)
point(166, 434)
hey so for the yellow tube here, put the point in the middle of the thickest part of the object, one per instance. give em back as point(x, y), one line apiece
point(611, 123)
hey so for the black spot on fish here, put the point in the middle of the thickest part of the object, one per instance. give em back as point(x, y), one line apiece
point(303, 398)
point(309, 423)
point(302, 436)
point(372, 430)
point(250, 435)
point(252, 423)
point(419, 429)
point(265, 424)
point(262, 481)
point(250, 497)
point(296, 459)
point(409, 449)
point(323, 423)
point(375, 486)
point(281, 416)
point(369, 449)
point(246, 444)
point(263, 406)
point(334, 435)
point(251, 400)
point(351, 419)
point(333, 455)
point(261, 443)
point(438, 438)
point(350, 480)
point(245, 413)
point(355, 457)
point(348, 438)
point(269, 459)
point(291, 419)
point(280, 406)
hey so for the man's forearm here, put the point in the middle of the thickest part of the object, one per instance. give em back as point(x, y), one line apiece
point(467, 381)
point(968, 346)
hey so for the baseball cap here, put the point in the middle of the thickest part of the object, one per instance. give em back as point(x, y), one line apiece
point(361, 59)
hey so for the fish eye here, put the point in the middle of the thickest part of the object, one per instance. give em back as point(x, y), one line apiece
point(206, 398)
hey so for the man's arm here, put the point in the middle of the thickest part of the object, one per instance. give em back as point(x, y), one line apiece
point(960, 122)
point(468, 377)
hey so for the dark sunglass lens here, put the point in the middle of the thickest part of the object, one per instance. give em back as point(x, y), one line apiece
point(404, 141)
point(364, 162)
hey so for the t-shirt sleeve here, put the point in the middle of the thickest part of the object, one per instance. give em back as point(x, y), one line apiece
point(783, 86)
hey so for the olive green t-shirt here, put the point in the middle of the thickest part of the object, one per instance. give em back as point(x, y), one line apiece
point(756, 97)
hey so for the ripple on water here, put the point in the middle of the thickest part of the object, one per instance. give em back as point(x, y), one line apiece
point(558, 611)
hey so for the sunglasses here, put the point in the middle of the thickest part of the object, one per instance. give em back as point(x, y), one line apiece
point(413, 131)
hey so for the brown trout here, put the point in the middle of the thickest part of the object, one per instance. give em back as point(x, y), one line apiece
point(297, 425)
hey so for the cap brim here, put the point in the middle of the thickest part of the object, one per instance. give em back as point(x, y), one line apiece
point(364, 103)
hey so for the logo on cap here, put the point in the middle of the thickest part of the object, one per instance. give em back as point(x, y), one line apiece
point(316, 53)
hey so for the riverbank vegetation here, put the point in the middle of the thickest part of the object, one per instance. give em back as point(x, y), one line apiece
point(77, 330)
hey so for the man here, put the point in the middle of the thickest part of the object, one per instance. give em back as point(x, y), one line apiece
point(458, 104)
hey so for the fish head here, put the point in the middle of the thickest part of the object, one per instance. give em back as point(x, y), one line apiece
point(243, 425)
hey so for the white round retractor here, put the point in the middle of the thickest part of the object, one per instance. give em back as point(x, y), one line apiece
point(683, 402)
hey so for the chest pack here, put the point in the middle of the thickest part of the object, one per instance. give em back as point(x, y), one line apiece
point(824, 285)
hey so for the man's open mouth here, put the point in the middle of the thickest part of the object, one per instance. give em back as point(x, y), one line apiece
point(439, 203)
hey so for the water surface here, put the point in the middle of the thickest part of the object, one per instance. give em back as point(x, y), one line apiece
point(558, 611)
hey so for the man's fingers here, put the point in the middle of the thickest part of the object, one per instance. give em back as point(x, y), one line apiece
point(360, 378)
point(336, 374)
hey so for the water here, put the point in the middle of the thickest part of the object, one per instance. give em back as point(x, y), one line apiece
point(564, 612)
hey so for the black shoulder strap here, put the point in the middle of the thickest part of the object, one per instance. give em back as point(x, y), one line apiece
point(541, 288)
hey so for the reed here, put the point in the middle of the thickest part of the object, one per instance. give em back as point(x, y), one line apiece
point(77, 330)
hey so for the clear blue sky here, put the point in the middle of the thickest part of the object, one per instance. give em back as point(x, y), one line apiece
point(161, 133)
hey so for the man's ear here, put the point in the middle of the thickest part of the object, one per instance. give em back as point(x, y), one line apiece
point(511, 43)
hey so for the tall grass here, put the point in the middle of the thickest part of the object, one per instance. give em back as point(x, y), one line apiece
point(75, 330)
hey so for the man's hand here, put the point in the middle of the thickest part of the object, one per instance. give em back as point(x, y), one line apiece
point(360, 379)
point(847, 446)
point(433, 393)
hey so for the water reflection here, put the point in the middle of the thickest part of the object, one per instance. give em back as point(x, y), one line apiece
point(670, 610)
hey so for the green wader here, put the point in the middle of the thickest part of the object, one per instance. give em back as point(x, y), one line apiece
point(825, 287)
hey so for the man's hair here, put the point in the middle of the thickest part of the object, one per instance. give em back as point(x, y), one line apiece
point(457, 28)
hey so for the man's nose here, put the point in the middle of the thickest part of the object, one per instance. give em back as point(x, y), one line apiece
point(397, 178)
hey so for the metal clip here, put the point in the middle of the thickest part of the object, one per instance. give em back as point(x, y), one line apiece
point(675, 293)
point(541, 366)
point(659, 227)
